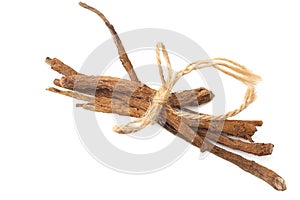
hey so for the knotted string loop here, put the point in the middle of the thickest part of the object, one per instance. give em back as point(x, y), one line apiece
point(229, 67)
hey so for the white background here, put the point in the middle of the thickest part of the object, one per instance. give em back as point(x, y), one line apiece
point(40, 153)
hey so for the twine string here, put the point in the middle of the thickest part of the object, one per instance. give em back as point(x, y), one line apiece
point(229, 67)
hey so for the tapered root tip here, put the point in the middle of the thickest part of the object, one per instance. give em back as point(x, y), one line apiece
point(51, 89)
point(259, 123)
point(83, 4)
point(280, 184)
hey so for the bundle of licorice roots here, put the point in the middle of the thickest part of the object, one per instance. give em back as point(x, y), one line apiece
point(134, 98)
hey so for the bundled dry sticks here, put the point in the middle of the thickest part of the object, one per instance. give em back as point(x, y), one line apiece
point(133, 98)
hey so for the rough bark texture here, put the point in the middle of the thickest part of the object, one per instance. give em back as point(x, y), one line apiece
point(108, 86)
point(259, 149)
point(140, 96)
point(133, 109)
point(249, 166)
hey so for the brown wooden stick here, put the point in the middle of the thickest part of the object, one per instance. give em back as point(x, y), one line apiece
point(251, 167)
point(259, 149)
point(235, 128)
point(105, 85)
point(239, 128)
point(121, 50)
point(60, 67)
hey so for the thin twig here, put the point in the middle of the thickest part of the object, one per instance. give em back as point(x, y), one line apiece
point(121, 50)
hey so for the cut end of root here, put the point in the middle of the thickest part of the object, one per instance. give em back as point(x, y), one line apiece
point(48, 60)
point(259, 123)
point(280, 184)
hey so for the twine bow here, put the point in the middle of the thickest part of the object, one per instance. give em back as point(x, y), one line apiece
point(161, 97)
